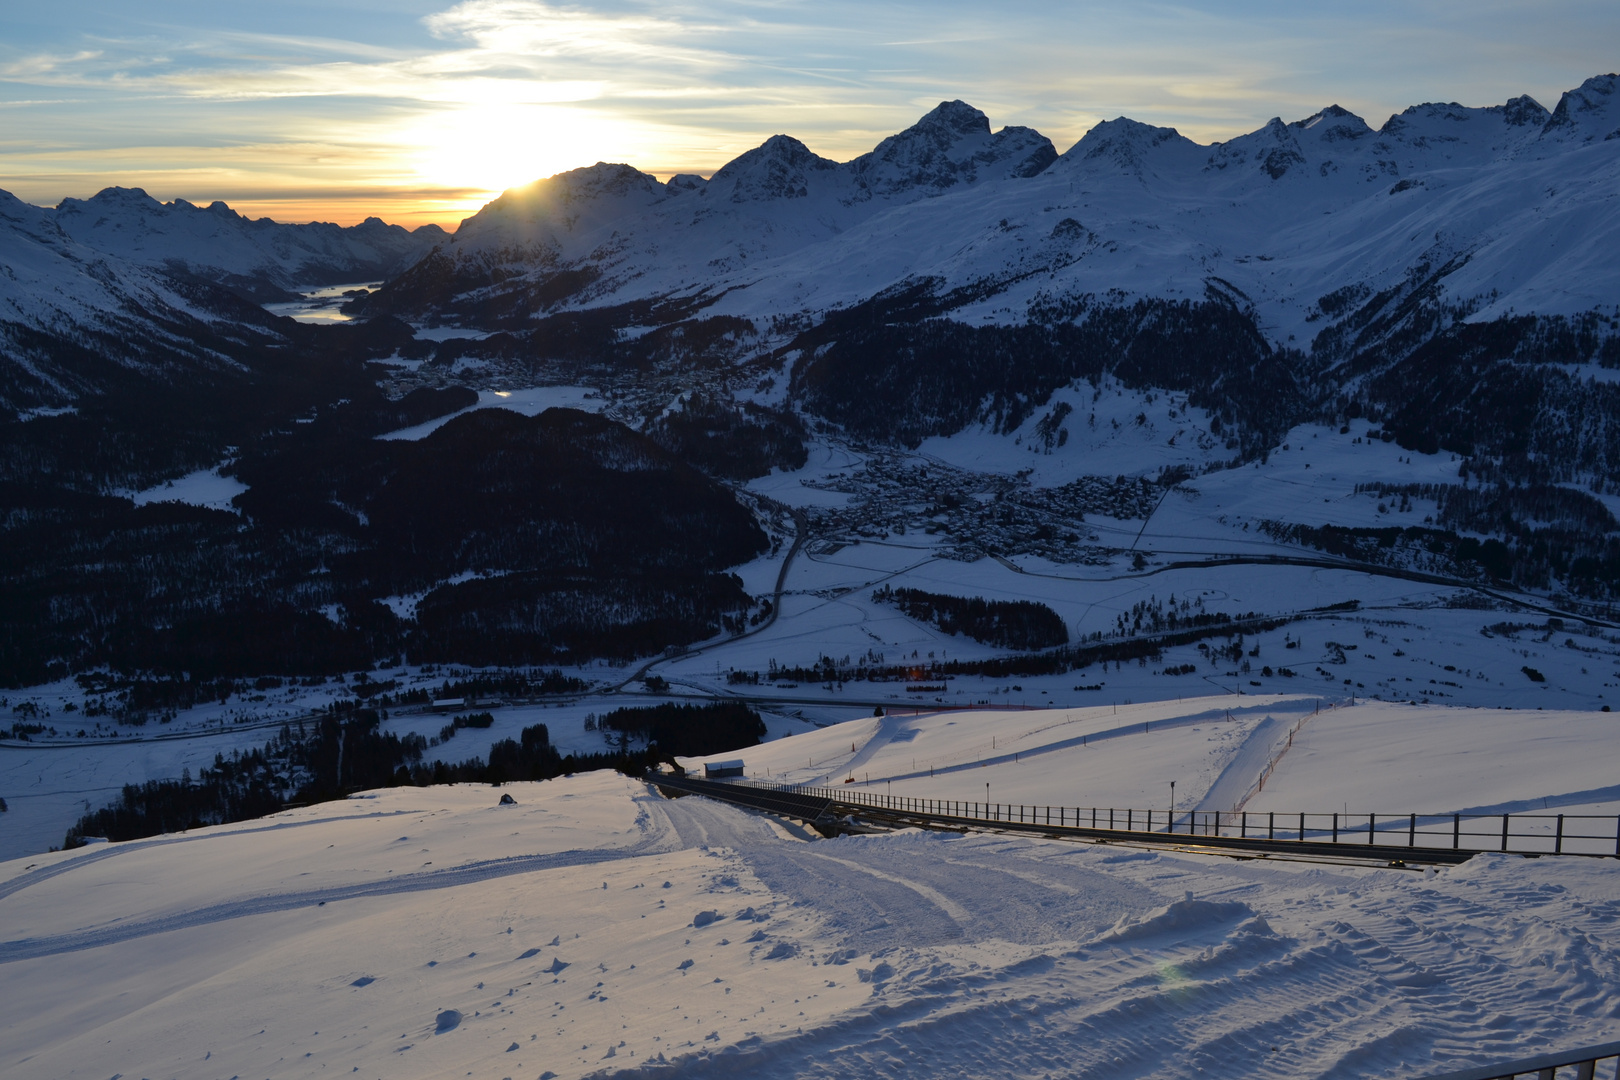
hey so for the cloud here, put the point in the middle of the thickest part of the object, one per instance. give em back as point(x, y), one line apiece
point(42, 66)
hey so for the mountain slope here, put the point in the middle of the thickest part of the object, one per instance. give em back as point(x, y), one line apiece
point(77, 321)
point(261, 258)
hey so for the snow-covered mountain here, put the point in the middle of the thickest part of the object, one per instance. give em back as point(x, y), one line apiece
point(1284, 215)
point(260, 258)
point(99, 291)
point(75, 320)
point(611, 233)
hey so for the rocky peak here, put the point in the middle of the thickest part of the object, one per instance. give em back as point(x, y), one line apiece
point(781, 167)
point(950, 145)
point(1333, 124)
point(1587, 113)
point(1273, 148)
point(1123, 142)
point(1523, 110)
point(559, 197)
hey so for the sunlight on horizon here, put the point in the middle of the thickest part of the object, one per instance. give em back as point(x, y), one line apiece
point(491, 148)
point(427, 112)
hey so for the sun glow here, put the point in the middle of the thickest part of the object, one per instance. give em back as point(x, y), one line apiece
point(486, 149)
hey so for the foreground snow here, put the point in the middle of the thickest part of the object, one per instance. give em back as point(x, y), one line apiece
point(434, 932)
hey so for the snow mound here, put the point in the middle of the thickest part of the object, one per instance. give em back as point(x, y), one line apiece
point(1184, 918)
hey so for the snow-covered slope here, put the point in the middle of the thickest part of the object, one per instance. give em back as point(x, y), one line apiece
point(592, 928)
point(1282, 216)
point(1388, 758)
point(75, 320)
point(259, 257)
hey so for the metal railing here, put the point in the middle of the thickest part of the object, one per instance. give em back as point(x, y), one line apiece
point(1450, 837)
point(1579, 1064)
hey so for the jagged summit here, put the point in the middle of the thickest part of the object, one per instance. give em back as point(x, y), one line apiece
point(951, 145)
point(1522, 110)
point(955, 116)
point(589, 183)
point(1588, 113)
point(1273, 150)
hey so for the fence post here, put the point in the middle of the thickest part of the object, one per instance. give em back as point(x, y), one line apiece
point(1246, 828)
point(1302, 826)
point(1505, 833)
point(1558, 841)
point(1335, 826)
point(1271, 825)
point(1456, 831)
point(1411, 832)
point(1129, 814)
point(1617, 846)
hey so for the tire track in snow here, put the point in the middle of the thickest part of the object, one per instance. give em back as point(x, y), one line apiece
point(954, 911)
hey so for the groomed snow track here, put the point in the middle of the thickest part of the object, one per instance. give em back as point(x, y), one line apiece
point(827, 811)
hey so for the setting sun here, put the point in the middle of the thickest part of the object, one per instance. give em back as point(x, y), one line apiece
point(485, 149)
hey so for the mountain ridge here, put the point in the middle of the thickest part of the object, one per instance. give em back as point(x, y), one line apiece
point(261, 259)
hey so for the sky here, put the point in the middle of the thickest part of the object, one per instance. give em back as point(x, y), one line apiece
point(423, 111)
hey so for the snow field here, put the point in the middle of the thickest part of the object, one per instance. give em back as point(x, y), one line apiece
point(228, 926)
point(1420, 758)
point(595, 929)
point(205, 488)
point(1369, 757)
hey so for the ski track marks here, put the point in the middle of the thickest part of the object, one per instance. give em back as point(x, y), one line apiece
point(1244, 769)
point(1345, 974)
